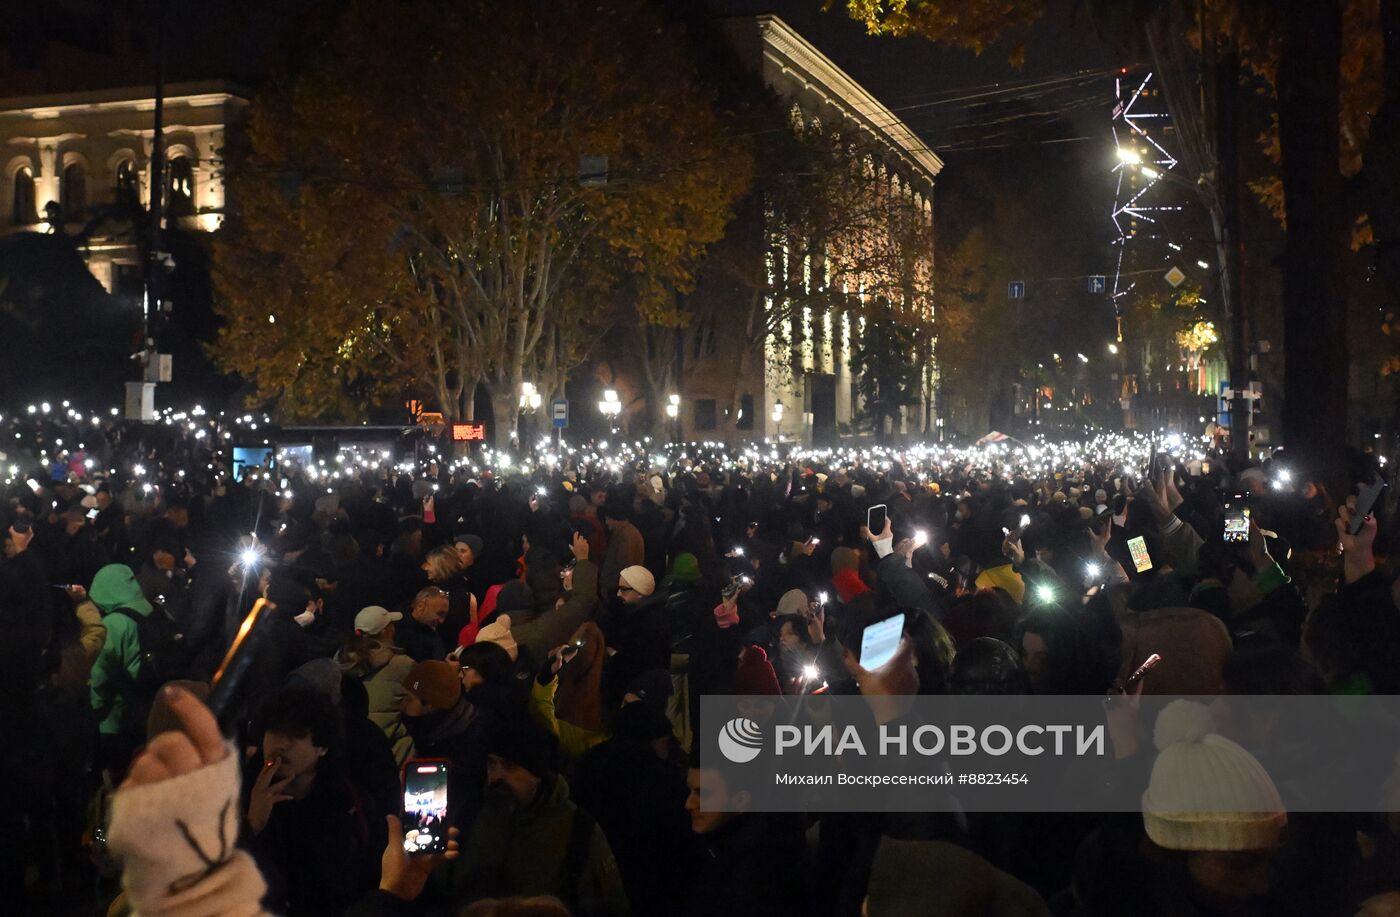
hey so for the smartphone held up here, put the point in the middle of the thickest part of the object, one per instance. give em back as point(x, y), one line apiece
point(425, 806)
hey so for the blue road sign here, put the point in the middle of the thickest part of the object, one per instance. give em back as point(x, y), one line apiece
point(1098, 283)
point(560, 410)
point(1016, 289)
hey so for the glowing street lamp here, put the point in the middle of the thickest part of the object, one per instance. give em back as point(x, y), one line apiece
point(610, 407)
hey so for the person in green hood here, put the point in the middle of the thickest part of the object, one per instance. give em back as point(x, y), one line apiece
point(116, 668)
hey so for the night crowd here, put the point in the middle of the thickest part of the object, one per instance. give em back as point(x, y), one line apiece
point(549, 635)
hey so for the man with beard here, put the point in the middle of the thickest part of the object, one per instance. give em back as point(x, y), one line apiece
point(530, 839)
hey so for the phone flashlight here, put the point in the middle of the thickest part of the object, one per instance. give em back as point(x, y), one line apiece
point(1025, 521)
point(1092, 571)
point(1045, 593)
point(920, 538)
point(541, 491)
point(821, 598)
point(811, 672)
point(738, 552)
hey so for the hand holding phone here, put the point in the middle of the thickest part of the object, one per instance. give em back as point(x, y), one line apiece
point(875, 520)
point(425, 806)
point(1236, 525)
point(1137, 547)
point(1365, 502)
point(879, 641)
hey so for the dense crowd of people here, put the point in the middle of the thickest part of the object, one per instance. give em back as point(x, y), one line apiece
point(548, 630)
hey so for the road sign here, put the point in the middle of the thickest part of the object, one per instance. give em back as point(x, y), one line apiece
point(560, 410)
point(1016, 289)
point(1098, 283)
point(1174, 277)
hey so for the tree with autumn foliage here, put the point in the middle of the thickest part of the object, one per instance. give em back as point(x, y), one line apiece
point(412, 216)
point(1334, 68)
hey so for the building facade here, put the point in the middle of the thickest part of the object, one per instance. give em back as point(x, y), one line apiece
point(803, 387)
point(82, 162)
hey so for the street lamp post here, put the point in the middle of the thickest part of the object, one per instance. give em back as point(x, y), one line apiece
point(673, 411)
point(610, 407)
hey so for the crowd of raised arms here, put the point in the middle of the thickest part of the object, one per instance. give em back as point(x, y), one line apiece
point(547, 622)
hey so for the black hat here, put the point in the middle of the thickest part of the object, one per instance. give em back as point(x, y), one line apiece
point(524, 744)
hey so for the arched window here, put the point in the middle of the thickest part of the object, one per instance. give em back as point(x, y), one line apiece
point(24, 213)
point(181, 187)
point(128, 194)
point(73, 191)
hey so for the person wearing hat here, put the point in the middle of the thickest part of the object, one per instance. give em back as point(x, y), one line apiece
point(469, 548)
point(538, 634)
point(1213, 820)
point(638, 631)
point(370, 656)
point(626, 548)
point(530, 838)
point(118, 596)
point(755, 674)
point(444, 723)
point(164, 576)
point(498, 632)
point(635, 784)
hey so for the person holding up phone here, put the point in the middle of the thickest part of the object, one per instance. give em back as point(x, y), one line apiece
point(898, 584)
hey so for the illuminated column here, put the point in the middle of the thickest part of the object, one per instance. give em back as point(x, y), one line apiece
point(46, 182)
point(209, 183)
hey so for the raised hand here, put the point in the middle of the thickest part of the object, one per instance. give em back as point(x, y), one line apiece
point(404, 876)
point(196, 744)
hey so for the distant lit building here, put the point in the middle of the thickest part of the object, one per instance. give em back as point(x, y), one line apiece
point(82, 161)
point(801, 384)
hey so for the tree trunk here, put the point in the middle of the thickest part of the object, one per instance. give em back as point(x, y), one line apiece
point(1314, 285)
point(1381, 173)
point(505, 412)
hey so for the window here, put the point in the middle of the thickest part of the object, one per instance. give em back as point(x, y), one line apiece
point(745, 412)
point(127, 194)
point(24, 213)
point(73, 191)
point(180, 187)
point(705, 414)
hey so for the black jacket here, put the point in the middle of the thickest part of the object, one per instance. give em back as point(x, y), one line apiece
point(750, 868)
point(418, 640)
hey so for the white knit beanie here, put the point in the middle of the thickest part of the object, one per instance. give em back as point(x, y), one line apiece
point(1206, 792)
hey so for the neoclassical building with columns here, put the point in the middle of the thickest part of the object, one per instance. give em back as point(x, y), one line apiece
point(803, 385)
point(73, 158)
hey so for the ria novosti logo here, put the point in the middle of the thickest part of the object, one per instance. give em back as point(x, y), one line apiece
point(740, 740)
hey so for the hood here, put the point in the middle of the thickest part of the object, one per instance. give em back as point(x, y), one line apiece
point(848, 584)
point(115, 587)
point(684, 572)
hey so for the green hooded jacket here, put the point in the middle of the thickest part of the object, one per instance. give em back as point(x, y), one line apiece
point(117, 665)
